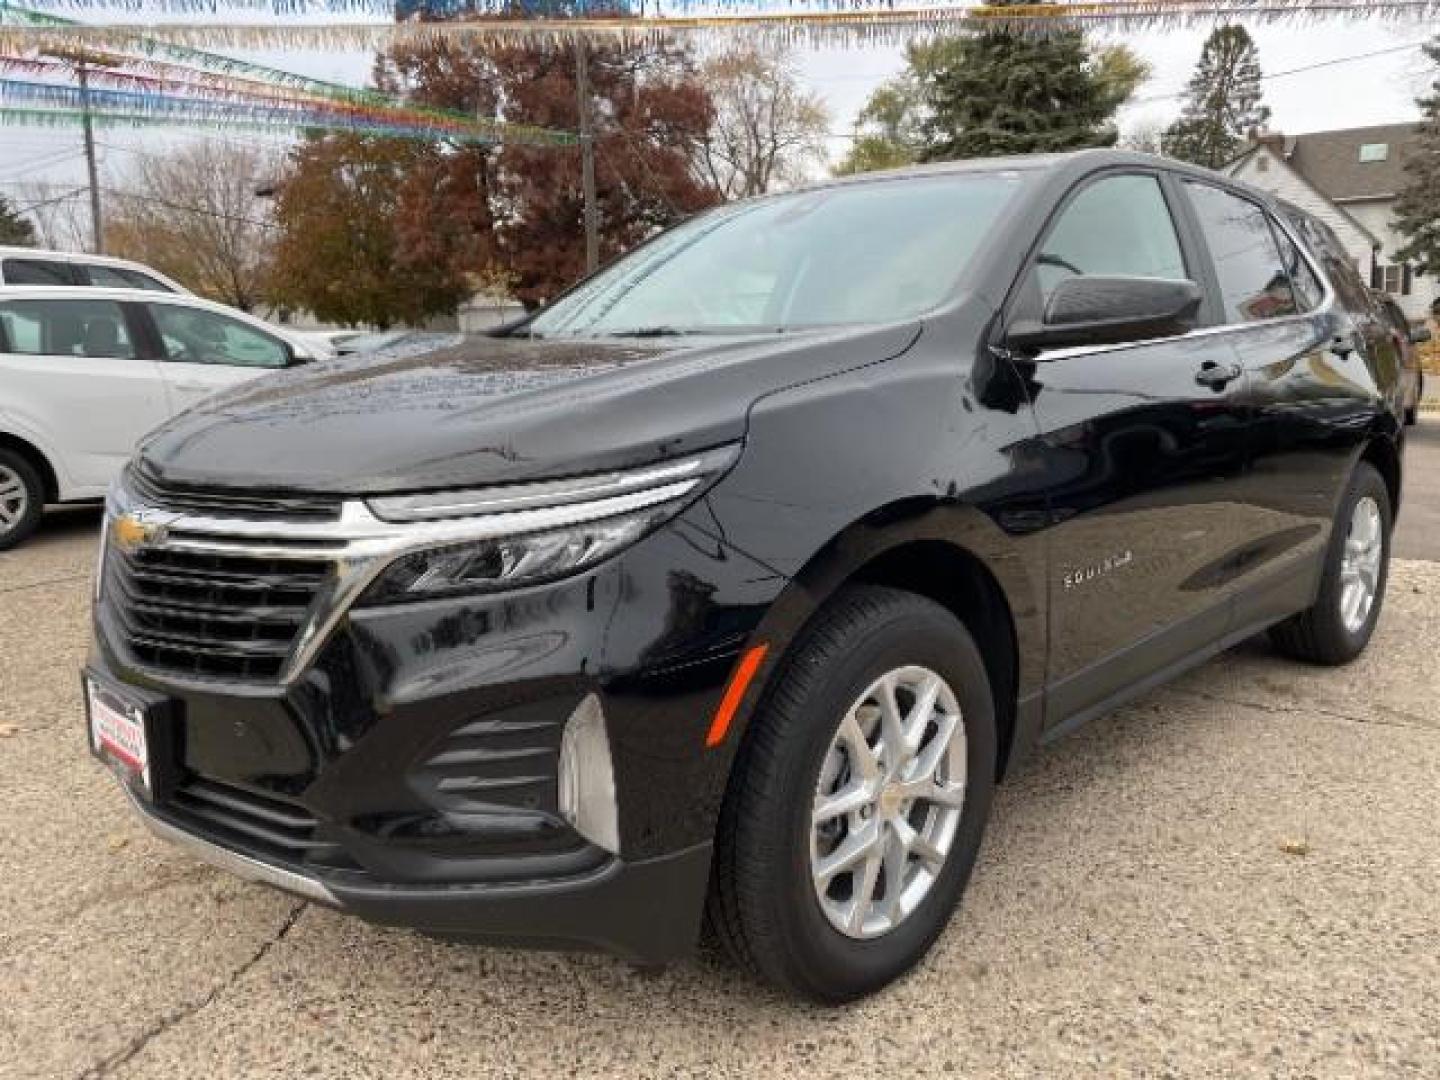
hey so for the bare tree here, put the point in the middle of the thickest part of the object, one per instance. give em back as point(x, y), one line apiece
point(193, 214)
point(1146, 136)
point(767, 130)
point(60, 212)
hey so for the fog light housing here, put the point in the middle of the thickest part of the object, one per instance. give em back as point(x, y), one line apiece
point(587, 777)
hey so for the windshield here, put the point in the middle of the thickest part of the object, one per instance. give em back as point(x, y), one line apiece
point(859, 253)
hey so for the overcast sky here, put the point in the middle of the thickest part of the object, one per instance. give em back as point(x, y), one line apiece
point(1360, 89)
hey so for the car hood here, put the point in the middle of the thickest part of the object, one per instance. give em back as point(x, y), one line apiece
point(494, 410)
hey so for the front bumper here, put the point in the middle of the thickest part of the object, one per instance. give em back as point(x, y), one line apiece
point(409, 774)
point(643, 911)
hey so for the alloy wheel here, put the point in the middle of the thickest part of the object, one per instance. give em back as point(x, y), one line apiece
point(14, 499)
point(1360, 564)
point(888, 802)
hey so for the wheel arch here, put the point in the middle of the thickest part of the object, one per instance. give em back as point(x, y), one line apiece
point(955, 556)
point(959, 581)
point(33, 454)
point(1383, 452)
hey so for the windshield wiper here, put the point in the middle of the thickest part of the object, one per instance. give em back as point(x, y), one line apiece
point(650, 331)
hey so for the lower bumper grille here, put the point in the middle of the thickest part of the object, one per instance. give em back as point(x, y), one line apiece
point(211, 616)
point(272, 827)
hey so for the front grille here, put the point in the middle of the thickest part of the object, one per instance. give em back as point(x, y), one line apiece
point(232, 617)
point(270, 826)
point(149, 490)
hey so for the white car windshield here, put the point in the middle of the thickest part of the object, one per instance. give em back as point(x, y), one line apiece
point(854, 253)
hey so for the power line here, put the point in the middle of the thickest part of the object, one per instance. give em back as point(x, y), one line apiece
point(50, 202)
point(1263, 78)
point(1266, 77)
point(137, 197)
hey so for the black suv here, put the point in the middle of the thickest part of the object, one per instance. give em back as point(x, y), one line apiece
point(733, 580)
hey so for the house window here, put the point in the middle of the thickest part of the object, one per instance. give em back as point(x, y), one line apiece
point(1394, 280)
point(1374, 151)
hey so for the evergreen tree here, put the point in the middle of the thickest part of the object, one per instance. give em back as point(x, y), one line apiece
point(15, 230)
point(1222, 101)
point(996, 92)
point(1009, 93)
point(1417, 211)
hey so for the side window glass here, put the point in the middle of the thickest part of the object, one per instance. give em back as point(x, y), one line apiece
point(1307, 286)
point(37, 272)
point(1334, 260)
point(1118, 225)
point(195, 336)
point(106, 277)
point(145, 281)
point(1254, 283)
point(93, 328)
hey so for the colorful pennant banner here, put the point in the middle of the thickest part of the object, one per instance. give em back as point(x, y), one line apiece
point(303, 24)
point(134, 76)
point(202, 116)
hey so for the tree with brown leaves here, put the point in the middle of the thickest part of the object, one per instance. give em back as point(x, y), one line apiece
point(517, 209)
point(340, 213)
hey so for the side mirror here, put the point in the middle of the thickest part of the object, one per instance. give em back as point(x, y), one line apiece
point(1103, 310)
point(1419, 335)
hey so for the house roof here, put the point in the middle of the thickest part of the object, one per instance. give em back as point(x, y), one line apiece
point(1330, 160)
point(1281, 154)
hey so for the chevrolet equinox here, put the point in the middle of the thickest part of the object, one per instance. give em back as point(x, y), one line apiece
point(728, 585)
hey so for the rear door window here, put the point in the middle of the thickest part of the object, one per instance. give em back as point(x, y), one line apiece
point(1254, 281)
point(92, 328)
point(39, 272)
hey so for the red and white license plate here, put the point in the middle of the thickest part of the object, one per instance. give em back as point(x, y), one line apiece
point(117, 731)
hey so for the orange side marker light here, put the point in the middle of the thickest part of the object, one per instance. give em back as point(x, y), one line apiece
point(739, 682)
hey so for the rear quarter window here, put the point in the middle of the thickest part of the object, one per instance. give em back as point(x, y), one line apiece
point(1333, 258)
point(37, 272)
point(122, 277)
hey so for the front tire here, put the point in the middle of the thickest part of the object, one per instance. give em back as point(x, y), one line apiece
point(1338, 626)
point(859, 799)
point(22, 496)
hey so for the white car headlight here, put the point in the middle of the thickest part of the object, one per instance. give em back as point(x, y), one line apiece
point(527, 533)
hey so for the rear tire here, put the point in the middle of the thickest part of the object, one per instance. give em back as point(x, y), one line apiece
point(1336, 629)
point(774, 905)
point(22, 497)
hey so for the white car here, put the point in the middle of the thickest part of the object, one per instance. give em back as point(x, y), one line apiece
point(85, 373)
point(34, 266)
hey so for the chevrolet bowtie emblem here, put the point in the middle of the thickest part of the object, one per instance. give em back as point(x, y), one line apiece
point(131, 532)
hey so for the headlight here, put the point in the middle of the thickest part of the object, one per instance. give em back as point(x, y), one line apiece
point(525, 533)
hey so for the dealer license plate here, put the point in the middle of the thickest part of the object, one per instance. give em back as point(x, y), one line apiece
point(117, 731)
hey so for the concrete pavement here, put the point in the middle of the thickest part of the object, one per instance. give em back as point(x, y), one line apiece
point(1237, 875)
point(1418, 533)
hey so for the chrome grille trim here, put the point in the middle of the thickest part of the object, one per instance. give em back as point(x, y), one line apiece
point(358, 545)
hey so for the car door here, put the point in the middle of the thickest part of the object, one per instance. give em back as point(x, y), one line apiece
point(74, 374)
point(204, 351)
point(1144, 445)
point(1308, 378)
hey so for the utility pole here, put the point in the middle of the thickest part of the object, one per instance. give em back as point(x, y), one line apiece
point(587, 154)
point(98, 240)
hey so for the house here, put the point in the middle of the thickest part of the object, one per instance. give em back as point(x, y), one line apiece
point(1350, 180)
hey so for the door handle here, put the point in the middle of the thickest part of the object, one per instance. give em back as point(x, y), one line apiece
point(1216, 375)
